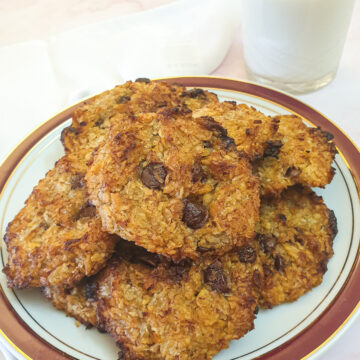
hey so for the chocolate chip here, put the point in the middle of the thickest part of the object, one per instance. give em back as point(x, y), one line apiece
point(247, 254)
point(282, 217)
point(194, 215)
point(215, 278)
point(333, 223)
point(231, 102)
point(228, 142)
point(91, 291)
point(44, 225)
point(101, 329)
point(209, 123)
point(72, 130)
point(143, 80)
point(323, 265)
point(328, 135)
point(153, 175)
point(99, 122)
point(267, 243)
point(193, 93)
point(273, 148)
point(122, 99)
point(117, 138)
point(256, 310)
point(279, 263)
point(83, 123)
point(65, 132)
point(207, 144)
point(257, 121)
point(197, 172)
point(170, 111)
point(292, 171)
point(77, 181)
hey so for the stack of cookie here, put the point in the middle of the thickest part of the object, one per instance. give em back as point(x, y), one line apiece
point(173, 217)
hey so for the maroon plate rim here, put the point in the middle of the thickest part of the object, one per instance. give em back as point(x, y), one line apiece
point(314, 337)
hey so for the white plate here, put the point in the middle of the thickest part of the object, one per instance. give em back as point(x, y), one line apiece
point(285, 332)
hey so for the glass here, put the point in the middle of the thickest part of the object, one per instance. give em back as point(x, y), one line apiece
point(294, 45)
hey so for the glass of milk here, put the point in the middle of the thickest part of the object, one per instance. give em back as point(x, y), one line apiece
point(294, 45)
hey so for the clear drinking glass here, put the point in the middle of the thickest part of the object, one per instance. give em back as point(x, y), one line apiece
point(294, 45)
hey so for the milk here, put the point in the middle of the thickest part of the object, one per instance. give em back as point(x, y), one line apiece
point(294, 41)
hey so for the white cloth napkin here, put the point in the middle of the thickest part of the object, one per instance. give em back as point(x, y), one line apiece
point(6, 352)
point(39, 78)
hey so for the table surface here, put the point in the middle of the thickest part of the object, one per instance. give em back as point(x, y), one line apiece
point(339, 100)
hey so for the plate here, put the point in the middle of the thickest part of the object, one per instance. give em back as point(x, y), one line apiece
point(35, 329)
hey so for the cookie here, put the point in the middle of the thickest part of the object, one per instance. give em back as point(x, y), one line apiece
point(298, 155)
point(295, 236)
point(174, 185)
point(91, 121)
point(179, 311)
point(250, 129)
point(56, 239)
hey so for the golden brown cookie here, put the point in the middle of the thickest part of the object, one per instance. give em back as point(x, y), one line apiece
point(91, 121)
point(250, 129)
point(298, 155)
point(179, 311)
point(295, 235)
point(56, 239)
point(174, 185)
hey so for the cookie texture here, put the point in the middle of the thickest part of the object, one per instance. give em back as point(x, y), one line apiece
point(250, 129)
point(56, 239)
point(179, 311)
point(91, 121)
point(80, 302)
point(295, 236)
point(174, 185)
point(301, 155)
